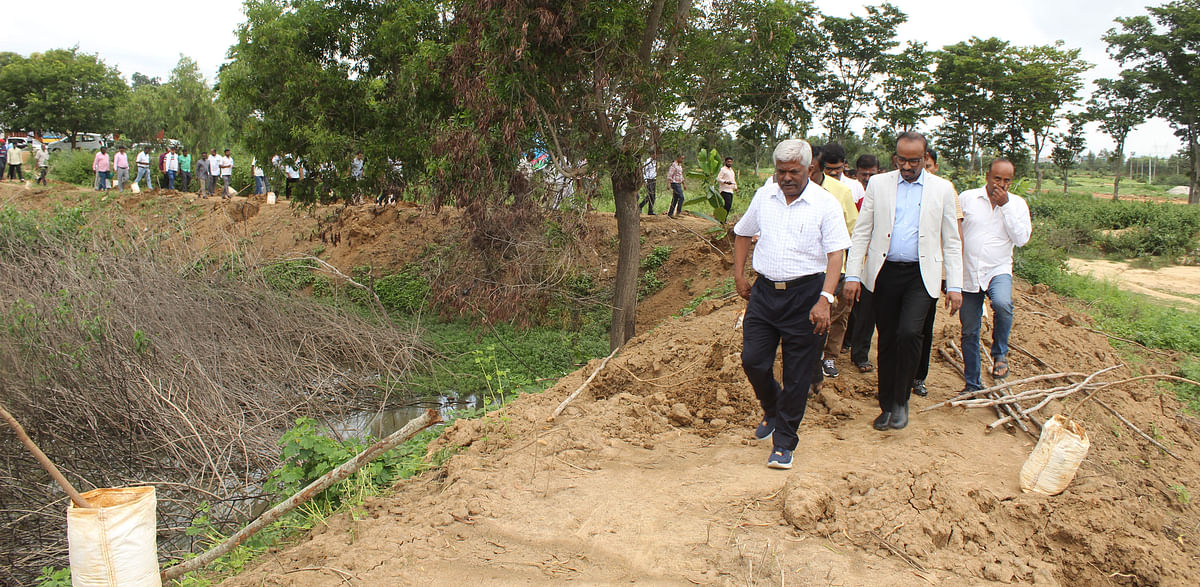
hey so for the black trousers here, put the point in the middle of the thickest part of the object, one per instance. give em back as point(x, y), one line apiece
point(728, 201)
point(42, 176)
point(927, 350)
point(14, 171)
point(650, 185)
point(777, 317)
point(863, 329)
point(901, 304)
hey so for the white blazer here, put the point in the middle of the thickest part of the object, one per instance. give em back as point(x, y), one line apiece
point(937, 241)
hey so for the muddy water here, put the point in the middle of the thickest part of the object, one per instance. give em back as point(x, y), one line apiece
point(388, 419)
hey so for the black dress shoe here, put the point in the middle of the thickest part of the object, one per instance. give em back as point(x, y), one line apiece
point(883, 421)
point(918, 387)
point(899, 416)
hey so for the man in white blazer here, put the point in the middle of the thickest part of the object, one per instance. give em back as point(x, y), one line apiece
point(906, 230)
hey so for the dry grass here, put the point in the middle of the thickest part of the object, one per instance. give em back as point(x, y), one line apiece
point(128, 369)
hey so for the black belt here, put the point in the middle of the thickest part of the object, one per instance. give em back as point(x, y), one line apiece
point(783, 285)
point(903, 263)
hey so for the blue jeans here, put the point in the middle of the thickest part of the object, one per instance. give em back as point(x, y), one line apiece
point(260, 184)
point(999, 291)
point(144, 172)
point(170, 180)
point(101, 181)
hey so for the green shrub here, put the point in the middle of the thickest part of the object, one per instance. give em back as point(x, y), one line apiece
point(405, 291)
point(290, 275)
point(73, 167)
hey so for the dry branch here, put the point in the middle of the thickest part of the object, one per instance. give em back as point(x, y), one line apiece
point(570, 398)
point(1136, 429)
point(1005, 385)
point(429, 418)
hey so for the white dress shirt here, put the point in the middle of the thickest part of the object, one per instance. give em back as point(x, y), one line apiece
point(794, 239)
point(171, 162)
point(989, 235)
point(650, 169)
point(856, 187)
point(226, 166)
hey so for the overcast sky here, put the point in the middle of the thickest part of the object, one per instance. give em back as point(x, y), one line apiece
point(150, 38)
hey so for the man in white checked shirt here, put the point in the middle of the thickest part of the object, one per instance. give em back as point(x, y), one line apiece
point(798, 257)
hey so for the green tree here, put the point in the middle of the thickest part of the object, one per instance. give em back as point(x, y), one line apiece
point(1067, 147)
point(1042, 81)
point(61, 90)
point(1119, 106)
point(858, 48)
point(902, 99)
point(320, 80)
point(142, 117)
point(966, 92)
point(747, 58)
point(1165, 53)
point(193, 115)
point(594, 80)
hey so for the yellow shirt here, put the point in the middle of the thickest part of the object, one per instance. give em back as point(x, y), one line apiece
point(845, 197)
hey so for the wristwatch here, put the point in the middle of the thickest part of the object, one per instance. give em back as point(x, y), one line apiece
point(828, 296)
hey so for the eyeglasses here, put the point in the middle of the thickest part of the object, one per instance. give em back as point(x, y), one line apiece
point(834, 168)
point(914, 162)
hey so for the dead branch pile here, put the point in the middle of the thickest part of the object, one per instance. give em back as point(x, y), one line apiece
point(126, 371)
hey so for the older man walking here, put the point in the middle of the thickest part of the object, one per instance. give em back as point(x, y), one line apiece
point(994, 221)
point(906, 228)
point(798, 257)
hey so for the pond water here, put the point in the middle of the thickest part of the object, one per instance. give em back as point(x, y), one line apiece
point(381, 422)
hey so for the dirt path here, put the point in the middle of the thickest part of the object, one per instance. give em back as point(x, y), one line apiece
point(1164, 283)
point(653, 477)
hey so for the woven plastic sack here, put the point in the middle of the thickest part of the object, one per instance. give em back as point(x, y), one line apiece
point(1059, 451)
point(135, 187)
point(270, 197)
point(113, 543)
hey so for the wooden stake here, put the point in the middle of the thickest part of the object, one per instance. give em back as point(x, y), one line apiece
point(44, 460)
point(429, 418)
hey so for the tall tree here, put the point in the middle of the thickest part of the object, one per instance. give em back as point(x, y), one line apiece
point(593, 80)
point(748, 57)
point(966, 92)
point(1119, 106)
point(1067, 147)
point(1166, 54)
point(903, 98)
point(61, 90)
point(193, 115)
point(858, 47)
point(320, 79)
point(1045, 79)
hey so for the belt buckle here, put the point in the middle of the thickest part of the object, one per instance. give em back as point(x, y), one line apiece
point(780, 285)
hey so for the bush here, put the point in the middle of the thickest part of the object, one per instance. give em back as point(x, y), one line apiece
point(405, 291)
point(290, 275)
point(73, 167)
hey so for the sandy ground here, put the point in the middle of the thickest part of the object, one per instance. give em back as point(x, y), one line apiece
point(1165, 284)
point(652, 476)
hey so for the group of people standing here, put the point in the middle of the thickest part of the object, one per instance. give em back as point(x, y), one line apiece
point(12, 156)
point(823, 253)
point(175, 166)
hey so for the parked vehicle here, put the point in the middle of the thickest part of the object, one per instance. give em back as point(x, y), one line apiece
point(85, 141)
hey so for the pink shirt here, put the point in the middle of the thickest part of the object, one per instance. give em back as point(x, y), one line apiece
point(100, 163)
point(121, 160)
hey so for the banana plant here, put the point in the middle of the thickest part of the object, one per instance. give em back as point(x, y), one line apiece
point(705, 173)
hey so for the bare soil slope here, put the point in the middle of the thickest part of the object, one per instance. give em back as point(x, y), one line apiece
point(652, 475)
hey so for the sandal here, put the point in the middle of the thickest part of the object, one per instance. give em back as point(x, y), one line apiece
point(1000, 370)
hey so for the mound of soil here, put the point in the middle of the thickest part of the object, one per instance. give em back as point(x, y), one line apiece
point(653, 476)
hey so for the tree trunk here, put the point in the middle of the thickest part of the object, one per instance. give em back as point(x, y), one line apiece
point(625, 183)
point(1120, 157)
point(1037, 168)
point(1194, 187)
